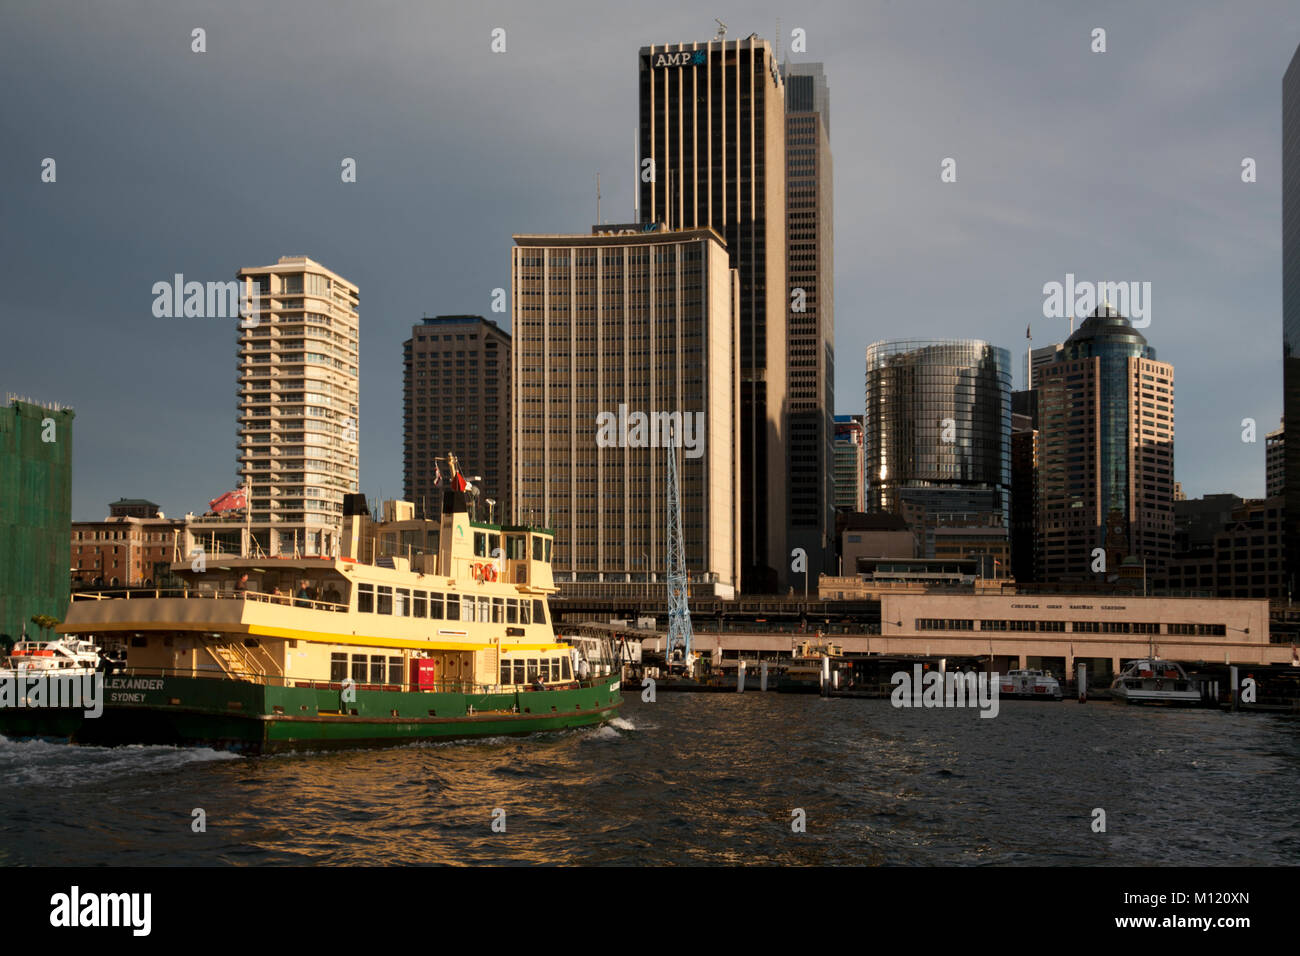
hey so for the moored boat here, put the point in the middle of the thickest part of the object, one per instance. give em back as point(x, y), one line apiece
point(1029, 684)
point(1154, 681)
point(803, 675)
point(66, 657)
point(259, 655)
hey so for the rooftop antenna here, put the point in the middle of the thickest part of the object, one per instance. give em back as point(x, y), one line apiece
point(722, 30)
point(598, 199)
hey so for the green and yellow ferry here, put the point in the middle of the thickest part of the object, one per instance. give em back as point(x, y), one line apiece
point(351, 655)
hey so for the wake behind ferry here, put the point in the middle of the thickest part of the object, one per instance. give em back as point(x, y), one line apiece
point(346, 655)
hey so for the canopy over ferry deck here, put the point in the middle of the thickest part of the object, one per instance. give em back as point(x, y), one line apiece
point(265, 654)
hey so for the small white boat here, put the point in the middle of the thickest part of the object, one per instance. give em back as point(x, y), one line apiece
point(1029, 685)
point(67, 657)
point(1154, 681)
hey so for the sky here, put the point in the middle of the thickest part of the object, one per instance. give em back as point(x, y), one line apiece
point(1123, 165)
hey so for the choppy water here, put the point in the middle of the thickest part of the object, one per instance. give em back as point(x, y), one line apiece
point(695, 778)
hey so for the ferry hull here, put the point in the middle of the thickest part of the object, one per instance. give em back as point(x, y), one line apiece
point(254, 718)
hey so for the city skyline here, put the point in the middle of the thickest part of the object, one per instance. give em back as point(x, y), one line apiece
point(163, 130)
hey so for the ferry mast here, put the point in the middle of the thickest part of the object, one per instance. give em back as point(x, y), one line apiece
point(679, 612)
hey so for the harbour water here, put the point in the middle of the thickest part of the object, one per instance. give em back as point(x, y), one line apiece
point(695, 779)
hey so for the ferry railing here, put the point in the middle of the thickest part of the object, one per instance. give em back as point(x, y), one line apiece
point(143, 594)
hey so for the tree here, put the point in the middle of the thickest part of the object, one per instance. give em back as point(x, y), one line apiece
point(45, 622)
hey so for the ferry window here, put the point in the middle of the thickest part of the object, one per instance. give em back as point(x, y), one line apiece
point(564, 668)
point(395, 670)
point(484, 609)
point(468, 607)
point(402, 606)
point(532, 668)
point(494, 544)
point(377, 668)
point(453, 607)
point(505, 672)
point(385, 599)
point(338, 667)
point(359, 668)
point(553, 669)
point(519, 670)
point(435, 605)
point(480, 544)
point(516, 547)
point(366, 598)
point(539, 612)
point(523, 613)
point(512, 610)
point(498, 609)
point(421, 603)
point(548, 550)
point(537, 549)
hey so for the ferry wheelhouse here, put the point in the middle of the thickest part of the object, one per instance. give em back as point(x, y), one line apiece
point(261, 655)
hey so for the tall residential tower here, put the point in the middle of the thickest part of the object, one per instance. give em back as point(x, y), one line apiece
point(298, 397)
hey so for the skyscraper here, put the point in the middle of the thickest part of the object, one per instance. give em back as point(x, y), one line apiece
point(1291, 309)
point(1105, 452)
point(298, 398)
point(1275, 462)
point(810, 275)
point(616, 339)
point(712, 153)
point(456, 396)
point(938, 426)
point(850, 465)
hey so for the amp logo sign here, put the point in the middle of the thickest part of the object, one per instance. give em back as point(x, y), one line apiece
point(682, 58)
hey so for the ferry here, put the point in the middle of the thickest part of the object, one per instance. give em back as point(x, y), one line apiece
point(803, 675)
point(1154, 681)
point(1029, 684)
point(261, 655)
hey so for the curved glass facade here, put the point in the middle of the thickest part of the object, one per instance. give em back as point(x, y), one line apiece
point(938, 425)
point(1106, 335)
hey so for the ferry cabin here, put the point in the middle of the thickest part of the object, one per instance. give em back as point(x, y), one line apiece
point(462, 620)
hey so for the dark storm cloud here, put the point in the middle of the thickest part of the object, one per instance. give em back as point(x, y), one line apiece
point(1123, 165)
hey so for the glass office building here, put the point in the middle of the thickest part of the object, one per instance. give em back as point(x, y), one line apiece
point(1105, 451)
point(938, 426)
point(1291, 309)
